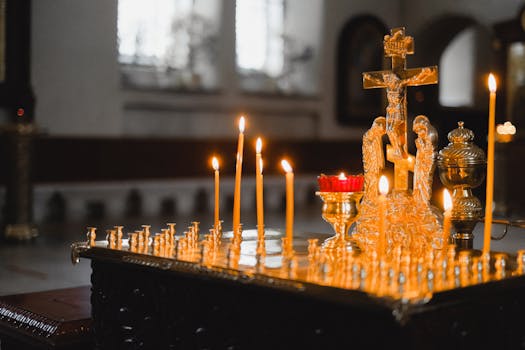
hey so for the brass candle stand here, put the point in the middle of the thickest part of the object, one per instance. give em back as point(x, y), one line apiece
point(462, 167)
point(340, 209)
point(399, 253)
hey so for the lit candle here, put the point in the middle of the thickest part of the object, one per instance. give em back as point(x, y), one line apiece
point(289, 204)
point(215, 164)
point(490, 165)
point(238, 174)
point(447, 205)
point(342, 182)
point(383, 191)
point(259, 189)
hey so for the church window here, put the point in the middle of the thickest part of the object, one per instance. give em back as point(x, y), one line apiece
point(277, 45)
point(456, 69)
point(168, 43)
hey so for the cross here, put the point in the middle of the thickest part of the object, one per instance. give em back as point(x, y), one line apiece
point(397, 46)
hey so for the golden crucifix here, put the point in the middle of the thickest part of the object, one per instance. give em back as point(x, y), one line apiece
point(397, 46)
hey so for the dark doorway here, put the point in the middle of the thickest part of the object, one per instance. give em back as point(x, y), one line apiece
point(359, 49)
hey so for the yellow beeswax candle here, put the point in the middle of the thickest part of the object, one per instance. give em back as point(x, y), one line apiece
point(215, 164)
point(490, 165)
point(238, 175)
point(259, 188)
point(289, 203)
point(383, 191)
point(447, 216)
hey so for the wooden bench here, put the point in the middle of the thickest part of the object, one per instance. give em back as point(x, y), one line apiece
point(56, 319)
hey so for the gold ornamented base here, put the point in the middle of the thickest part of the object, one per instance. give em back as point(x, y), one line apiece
point(335, 247)
point(463, 241)
point(410, 223)
point(335, 242)
point(340, 209)
point(466, 212)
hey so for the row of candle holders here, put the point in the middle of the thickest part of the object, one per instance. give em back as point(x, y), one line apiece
point(397, 273)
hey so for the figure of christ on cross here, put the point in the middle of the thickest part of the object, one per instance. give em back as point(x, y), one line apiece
point(397, 46)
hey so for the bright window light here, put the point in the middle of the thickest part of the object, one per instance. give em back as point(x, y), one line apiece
point(259, 29)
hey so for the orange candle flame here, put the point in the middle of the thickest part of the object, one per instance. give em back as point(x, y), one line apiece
point(492, 83)
point(447, 200)
point(215, 163)
point(241, 124)
point(286, 166)
point(383, 185)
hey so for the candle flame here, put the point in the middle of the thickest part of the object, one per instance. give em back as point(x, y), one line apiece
point(241, 124)
point(342, 176)
point(215, 163)
point(286, 166)
point(447, 200)
point(383, 185)
point(261, 165)
point(258, 145)
point(492, 83)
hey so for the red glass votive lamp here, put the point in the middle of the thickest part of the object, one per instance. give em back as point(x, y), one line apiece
point(341, 183)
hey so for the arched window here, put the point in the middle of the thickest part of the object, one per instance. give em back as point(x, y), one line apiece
point(457, 71)
point(462, 49)
point(278, 45)
point(359, 49)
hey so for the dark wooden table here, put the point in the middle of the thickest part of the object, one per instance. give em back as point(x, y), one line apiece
point(142, 301)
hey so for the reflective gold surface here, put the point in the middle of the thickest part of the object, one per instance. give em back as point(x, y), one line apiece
point(396, 47)
point(411, 222)
point(340, 209)
point(399, 274)
point(462, 167)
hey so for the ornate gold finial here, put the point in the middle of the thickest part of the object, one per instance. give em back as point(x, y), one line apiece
point(91, 236)
point(119, 236)
point(111, 238)
point(397, 44)
point(133, 241)
point(146, 229)
point(167, 237)
point(156, 246)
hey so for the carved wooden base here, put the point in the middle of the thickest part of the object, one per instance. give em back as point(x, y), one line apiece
point(142, 304)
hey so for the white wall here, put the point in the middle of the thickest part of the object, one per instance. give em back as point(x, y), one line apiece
point(74, 68)
point(416, 13)
point(76, 79)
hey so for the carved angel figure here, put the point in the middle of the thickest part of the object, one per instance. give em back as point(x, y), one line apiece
point(426, 144)
point(373, 157)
